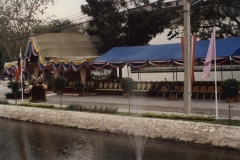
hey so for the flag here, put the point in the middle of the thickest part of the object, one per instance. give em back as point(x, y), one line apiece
point(210, 56)
point(19, 67)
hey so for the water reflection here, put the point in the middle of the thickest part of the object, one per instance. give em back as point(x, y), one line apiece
point(28, 141)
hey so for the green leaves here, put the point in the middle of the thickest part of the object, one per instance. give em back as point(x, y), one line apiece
point(15, 86)
point(59, 83)
point(17, 18)
point(127, 85)
point(123, 26)
point(230, 87)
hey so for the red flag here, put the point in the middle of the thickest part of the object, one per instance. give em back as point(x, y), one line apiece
point(210, 56)
point(19, 67)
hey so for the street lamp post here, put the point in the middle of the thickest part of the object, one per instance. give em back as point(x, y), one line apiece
point(187, 58)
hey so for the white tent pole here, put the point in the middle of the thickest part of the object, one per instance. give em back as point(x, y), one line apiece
point(21, 78)
point(216, 99)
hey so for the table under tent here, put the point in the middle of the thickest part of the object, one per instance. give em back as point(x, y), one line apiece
point(138, 57)
point(66, 54)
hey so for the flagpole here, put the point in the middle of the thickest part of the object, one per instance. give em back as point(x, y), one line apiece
point(21, 78)
point(215, 64)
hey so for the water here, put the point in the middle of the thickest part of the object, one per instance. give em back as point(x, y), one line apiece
point(138, 143)
point(29, 141)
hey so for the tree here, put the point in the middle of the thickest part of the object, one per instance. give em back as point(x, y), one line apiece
point(223, 14)
point(230, 88)
point(120, 25)
point(59, 84)
point(57, 26)
point(18, 17)
point(15, 86)
point(128, 85)
point(1, 61)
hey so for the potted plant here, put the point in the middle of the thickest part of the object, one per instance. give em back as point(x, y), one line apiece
point(127, 85)
point(15, 86)
point(172, 91)
point(87, 90)
point(59, 85)
point(79, 87)
point(230, 90)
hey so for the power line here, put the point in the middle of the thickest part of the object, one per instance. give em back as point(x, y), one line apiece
point(79, 19)
point(81, 23)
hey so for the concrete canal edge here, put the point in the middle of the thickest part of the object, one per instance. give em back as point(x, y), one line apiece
point(202, 133)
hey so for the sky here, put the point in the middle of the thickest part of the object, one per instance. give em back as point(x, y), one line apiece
point(71, 8)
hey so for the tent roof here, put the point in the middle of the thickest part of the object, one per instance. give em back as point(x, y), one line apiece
point(65, 45)
point(225, 47)
point(10, 64)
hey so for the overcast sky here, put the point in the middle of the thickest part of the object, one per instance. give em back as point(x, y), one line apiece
point(71, 9)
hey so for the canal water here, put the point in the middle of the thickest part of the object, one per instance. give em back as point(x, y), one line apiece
point(30, 141)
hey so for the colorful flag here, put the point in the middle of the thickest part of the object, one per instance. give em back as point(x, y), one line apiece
point(210, 56)
point(19, 67)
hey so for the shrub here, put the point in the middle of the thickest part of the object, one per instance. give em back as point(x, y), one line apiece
point(171, 89)
point(19, 95)
point(15, 86)
point(59, 83)
point(97, 109)
point(230, 87)
point(127, 85)
point(178, 116)
point(78, 86)
point(10, 95)
point(4, 101)
point(36, 105)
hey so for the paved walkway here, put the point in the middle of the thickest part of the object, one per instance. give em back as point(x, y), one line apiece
point(139, 104)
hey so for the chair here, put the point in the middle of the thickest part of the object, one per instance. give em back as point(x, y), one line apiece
point(181, 90)
point(139, 87)
point(88, 83)
point(110, 87)
point(149, 86)
point(116, 87)
point(219, 91)
point(70, 84)
point(176, 88)
point(162, 90)
point(119, 88)
point(100, 87)
point(143, 87)
point(195, 89)
point(210, 90)
point(92, 84)
point(155, 87)
point(105, 86)
point(73, 83)
point(203, 90)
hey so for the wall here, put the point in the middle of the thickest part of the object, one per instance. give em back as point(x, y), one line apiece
point(217, 135)
point(180, 76)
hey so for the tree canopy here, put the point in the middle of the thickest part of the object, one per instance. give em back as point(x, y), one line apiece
point(17, 18)
point(1, 60)
point(222, 14)
point(57, 26)
point(116, 23)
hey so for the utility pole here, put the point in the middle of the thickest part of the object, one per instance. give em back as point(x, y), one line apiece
point(187, 58)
